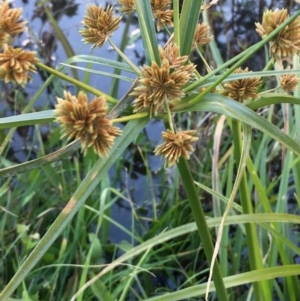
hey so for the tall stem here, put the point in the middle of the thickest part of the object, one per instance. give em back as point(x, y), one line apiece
point(261, 289)
point(202, 227)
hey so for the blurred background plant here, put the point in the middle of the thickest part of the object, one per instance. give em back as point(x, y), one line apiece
point(136, 226)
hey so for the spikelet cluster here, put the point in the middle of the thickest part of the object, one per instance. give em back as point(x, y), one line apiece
point(87, 121)
point(162, 13)
point(160, 10)
point(176, 145)
point(15, 63)
point(160, 84)
point(10, 24)
point(287, 41)
point(98, 24)
point(289, 82)
point(202, 36)
point(126, 6)
point(242, 89)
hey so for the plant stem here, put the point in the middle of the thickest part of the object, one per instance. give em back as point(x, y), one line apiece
point(261, 289)
point(76, 82)
point(115, 81)
point(124, 57)
point(170, 119)
point(202, 227)
point(130, 117)
point(176, 22)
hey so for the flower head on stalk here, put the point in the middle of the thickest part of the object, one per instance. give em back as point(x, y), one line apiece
point(16, 64)
point(176, 145)
point(127, 6)
point(160, 4)
point(242, 89)
point(201, 36)
point(287, 41)
point(164, 17)
point(161, 12)
point(289, 82)
point(161, 84)
point(99, 24)
point(9, 19)
point(158, 85)
point(86, 121)
point(171, 52)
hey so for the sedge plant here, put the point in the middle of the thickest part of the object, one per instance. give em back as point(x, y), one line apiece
point(166, 88)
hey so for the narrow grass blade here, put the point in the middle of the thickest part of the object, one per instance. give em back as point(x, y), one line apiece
point(108, 74)
point(76, 82)
point(99, 60)
point(272, 99)
point(188, 21)
point(27, 119)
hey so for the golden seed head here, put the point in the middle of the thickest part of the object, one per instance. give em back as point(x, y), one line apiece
point(176, 145)
point(163, 17)
point(15, 65)
point(86, 121)
point(127, 6)
point(161, 12)
point(99, 24)
point(242, 89)
point(287, 41)
point(9, 19)
point(289, 82)
point(201, 36)
point(159, 84)
point(172, 53)
point(160, 5)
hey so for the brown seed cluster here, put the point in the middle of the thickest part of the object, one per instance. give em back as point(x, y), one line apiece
point(160, 84)
point(99, 24)
point(289, 82)
point(242, 89)
point(15, 65)
point(162, 12)
point(201, 36)
point(287, 41)
point(127, 6)
point(86, 121)
point(10, 20)
point(176, 145)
